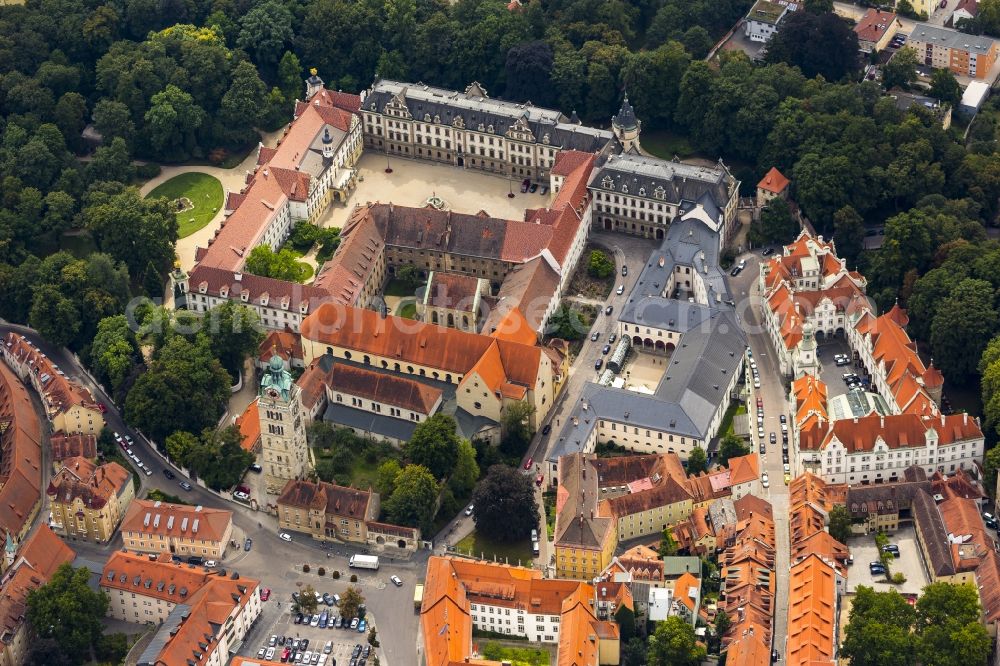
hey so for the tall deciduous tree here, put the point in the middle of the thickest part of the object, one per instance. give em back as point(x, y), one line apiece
point(697, 461)
point(244, 104)
point(466, 472)
point(674, 644)
point(901, 70)
point(818, 44)
point(529, 73)
point(516, 427)
point(234, 332)
point(945, 87)
point(840, 523)
point(879, 630)
point(134, 230)
point(413, 498)
point(434, 444)
point(963, 324)
point(731, 446)
point(948, 626)
point(848, 234)
point(68, 609)
point(265, 31)
point(113, 352)
point(171, 122)
point(506, 508)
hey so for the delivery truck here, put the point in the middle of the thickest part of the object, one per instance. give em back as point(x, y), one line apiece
point(418, 595)
point(364, 561)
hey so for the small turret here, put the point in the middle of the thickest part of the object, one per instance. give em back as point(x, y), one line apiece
point(627, 127)
point(313, 84)
point(327, 146)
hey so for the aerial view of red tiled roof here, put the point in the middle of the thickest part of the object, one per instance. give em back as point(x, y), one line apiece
point(287, 344)
point(81, 479)
point(249, 424)
point(873, 25)
point(42, 553)
point(65, 446)
point(20, 454)
point(811, 613)
point(278, 294)
point(176, 520)
point(385, 388)
point(773, 181)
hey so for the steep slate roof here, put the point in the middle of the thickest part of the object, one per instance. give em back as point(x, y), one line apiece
point(475, 109)
point(929, 523)
point(644, 176)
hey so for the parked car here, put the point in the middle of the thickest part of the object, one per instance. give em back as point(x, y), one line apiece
point(396, 581)
point(212, 564)
point(167, 473)
point(533, 188)
point(624, 271)
point(185, 485)
point(783, 418)
point(608, 310)
point(362, 625)
point(545, 189)
point(620, 290)
point(285, 536)
point(767, 251)
point(595, 336)
point(547, 428)
point(763, 480)
point(612, 338)
point(528, 463)
point(525, 184)
point(354, 623)
point(468, 511)
point(255, 468)
point(240, 495)
point(248, 544)
point(265, 594)
point(598, 363)
point(763, 449)
point(774, 438)
point(605, 349)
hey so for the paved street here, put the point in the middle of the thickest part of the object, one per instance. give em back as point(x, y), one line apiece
point(275, 563)
point(773, 391)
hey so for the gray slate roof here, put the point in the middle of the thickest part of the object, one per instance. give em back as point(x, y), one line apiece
point(951, 39)
point(386, 426)
point(475, 109)
point(710, 351)
point(680, 181)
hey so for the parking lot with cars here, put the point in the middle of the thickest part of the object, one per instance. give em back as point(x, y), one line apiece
point(909, 563)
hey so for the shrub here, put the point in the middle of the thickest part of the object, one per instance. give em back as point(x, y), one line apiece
point(898, 578)
point(321, 571)
point(305, 568)
point(147, 171)
point(336, 575)
point(354, 578)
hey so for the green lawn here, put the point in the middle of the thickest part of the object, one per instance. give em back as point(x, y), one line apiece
point(204, 191)
point(487, 548)
point(516, 656)
point(665, 145)
point(307, 270)
point(408, 310)
point(399, 289)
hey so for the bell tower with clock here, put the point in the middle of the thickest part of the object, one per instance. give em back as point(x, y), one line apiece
point(285, 452)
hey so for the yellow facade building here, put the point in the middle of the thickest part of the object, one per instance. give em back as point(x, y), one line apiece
point(160, 527)
point(87, 501)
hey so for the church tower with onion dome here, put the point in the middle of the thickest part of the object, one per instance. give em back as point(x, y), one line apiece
point(285, 452)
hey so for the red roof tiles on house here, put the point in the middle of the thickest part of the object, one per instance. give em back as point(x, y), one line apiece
point(773, 181)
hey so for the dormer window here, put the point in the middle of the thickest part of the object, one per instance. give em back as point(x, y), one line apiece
point(224, 292)
point(545, 138)
point(203, 288)
point(607, 183)
point(458, 122)
point(264, 298)
point(624, 188)
point(490, 129)
point(480, 127)
point(437, 118)
point(659, 192)
point(642, 191)
point(372, 107)
point(245, 295)
point(427, 117)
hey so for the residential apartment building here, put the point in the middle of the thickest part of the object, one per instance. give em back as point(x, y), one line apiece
point(20, 458)
point(763, 20)
point(876, 29)
point(643, 195)
point(87, 501)
point(963, 54)
point(327, 511)
point(607, 500)
point(461, 594)
point(202, 614)
point(69, 406)
point(471, 130)
point(818, 575)
point(284, 450)
point(35, 562)
point(178, 529)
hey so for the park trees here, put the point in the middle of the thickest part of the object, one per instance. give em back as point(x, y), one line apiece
point(565, 323)
point(901, 70)
point(67, 608)
point(265, 30)
point(848, 233)
point(234, 332)
point(945, 87)
point(413, 498)
point(184, 388)
point(600, 265)
point(878, 633)
point(113, 353)
point(466, 471)
point(133, 230)
point(817, 43)
point(777, 224)
point(506, 508)
point(435, 445)
point(962, 325)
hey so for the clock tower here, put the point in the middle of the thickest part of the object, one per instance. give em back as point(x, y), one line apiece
point(282, 429)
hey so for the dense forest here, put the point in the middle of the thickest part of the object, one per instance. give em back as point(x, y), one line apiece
point(171, 81)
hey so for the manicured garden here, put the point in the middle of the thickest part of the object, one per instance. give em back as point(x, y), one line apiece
point(196, 196)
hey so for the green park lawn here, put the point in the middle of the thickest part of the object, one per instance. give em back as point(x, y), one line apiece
point(204, 192)
point(516, 656)
point(408, 310)
point(487, 548)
